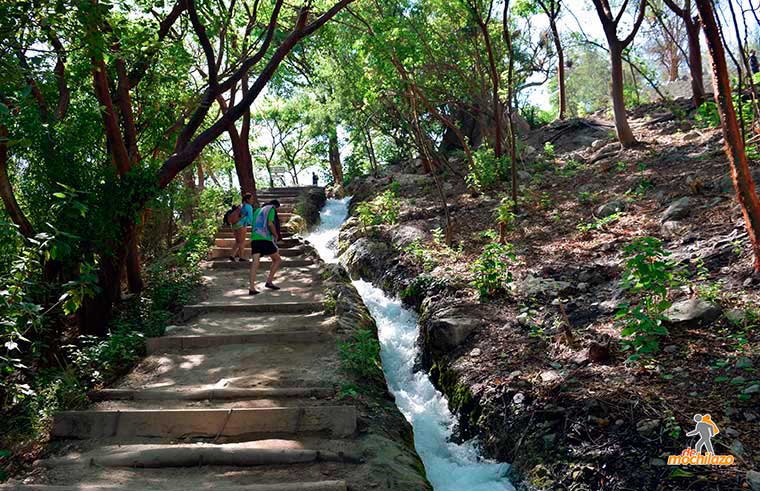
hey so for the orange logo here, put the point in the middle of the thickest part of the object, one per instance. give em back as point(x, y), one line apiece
point(706, 429)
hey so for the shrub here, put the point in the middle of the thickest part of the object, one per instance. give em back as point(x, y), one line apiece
point(647, 276)
point(491, 270)
point(505, 213)
point(384, 209)
point(485, 170)
point(360, 355)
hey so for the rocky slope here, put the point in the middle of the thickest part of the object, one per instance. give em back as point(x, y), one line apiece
point(538, 373)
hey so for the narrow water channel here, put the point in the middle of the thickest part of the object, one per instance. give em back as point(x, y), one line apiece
point(449, 466)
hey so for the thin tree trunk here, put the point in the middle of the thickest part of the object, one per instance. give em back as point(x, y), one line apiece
point(15, 212)
point(737, 157)
point(560, 71)
point(624, 133)
point(695, 61)
point(510, 103)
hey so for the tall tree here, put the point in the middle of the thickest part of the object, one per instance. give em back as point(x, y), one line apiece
point(735, 151)
point(552, 10)
point(692, 26)
point(610, 22)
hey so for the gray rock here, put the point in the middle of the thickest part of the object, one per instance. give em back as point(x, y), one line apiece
point(475, 353)
point(753, 479)
point(523, 176)
point(732, 432)
point(550, 376)
point(750, 416)
point(671, 348)
point(648, 427)
point(582, 287)
point(610, 208)
point(529, 151)
point(523, 319)
point(677, 210)
point(405, 234)
point(737, 448)
point(656, 462)
point(449, 330)
point(532, 286)
point(518, 398)
point(752, 389)
point(692, 135)
point(692, 312)
point(726, 183)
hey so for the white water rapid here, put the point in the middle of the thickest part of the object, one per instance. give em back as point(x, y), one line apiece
point(449, 466)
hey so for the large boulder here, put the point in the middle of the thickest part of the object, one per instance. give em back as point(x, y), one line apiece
point(366, 258)
point(447, 328)
point(404, 235)
point(692, 312)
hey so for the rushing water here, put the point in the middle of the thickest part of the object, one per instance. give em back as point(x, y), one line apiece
point(449, 466)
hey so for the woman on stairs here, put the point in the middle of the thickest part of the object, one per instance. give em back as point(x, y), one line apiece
point(264, 237)
point(238, 228)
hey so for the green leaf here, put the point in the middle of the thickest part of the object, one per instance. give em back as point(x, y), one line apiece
point(681, 473)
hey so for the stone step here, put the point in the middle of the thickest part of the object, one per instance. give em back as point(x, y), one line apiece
point(251, 307)
point(228, 242)
point(296, 486)
point(210, 394)
point(286, 263)
point(167, 343)
point(224, 252)
point(246, 454)
point(243, 323)
point(337, 421)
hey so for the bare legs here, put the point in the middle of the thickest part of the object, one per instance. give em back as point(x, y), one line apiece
point(239, 247)
point(276, 261)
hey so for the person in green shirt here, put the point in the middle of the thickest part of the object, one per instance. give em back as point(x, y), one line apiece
point(264, 237)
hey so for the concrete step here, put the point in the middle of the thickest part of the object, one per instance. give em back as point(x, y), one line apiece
point(296, 486)
point(251, 307)
point(228, 242)
point(167, 343)
point(210, 394)
point(243, 323)
point(224, 252)
point(337, 421)
point(286, 263)
point(246, 454)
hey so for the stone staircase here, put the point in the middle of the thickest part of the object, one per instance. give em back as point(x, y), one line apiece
point(241, 397)
point(288, 198)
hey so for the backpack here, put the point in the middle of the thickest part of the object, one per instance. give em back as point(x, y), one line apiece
point(232, 216)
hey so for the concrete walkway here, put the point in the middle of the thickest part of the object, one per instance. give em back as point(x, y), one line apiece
point(239, 398)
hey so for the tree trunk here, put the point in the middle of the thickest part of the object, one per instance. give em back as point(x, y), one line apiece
point(737, 157)
point(560, 71)
point(624, 133)
point(695, 61)
point(334, 156)
point(6, 189)
point(95, 312)
point(134, 270)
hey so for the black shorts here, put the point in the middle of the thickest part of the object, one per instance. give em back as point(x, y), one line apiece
point(263, 247)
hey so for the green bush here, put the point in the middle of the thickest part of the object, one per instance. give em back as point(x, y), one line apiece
point(491, 270)
point(485, 170)
point(384, 209)
point(360, 355)
point(647, 276)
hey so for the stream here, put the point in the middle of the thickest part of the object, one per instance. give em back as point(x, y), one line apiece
point(449, 466)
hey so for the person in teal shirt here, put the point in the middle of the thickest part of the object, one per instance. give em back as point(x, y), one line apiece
point(264, 237)
point(238, 228)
